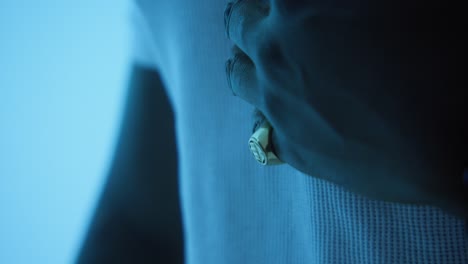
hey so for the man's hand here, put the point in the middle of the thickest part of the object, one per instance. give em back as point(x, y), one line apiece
point(349, 93)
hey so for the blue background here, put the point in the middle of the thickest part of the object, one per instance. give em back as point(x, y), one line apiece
point(63, 69)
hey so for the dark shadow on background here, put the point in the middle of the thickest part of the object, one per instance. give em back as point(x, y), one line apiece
point(138, 217)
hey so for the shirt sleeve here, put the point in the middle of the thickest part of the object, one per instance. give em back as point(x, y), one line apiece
point(142, 44)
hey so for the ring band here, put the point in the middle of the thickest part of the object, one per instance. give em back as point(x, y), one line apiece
point(260, 145)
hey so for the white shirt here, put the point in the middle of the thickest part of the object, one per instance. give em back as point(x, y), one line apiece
point(237, 211)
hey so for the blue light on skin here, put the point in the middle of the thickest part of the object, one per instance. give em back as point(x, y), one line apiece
point(63, 69)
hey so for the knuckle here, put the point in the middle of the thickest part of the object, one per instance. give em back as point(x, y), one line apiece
point(233, 17)
point(227, 16)
point(242, 16)
point(238, 72)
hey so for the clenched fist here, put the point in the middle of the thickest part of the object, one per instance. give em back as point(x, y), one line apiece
point(362, 95)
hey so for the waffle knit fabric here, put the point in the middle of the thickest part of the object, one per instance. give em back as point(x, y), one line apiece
point(236, 211)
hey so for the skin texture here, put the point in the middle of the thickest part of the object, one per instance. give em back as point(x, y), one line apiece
point(364, 96)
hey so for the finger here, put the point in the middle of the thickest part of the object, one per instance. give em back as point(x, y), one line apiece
point(258, 118)
point(243, 24)
point(242, 78)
